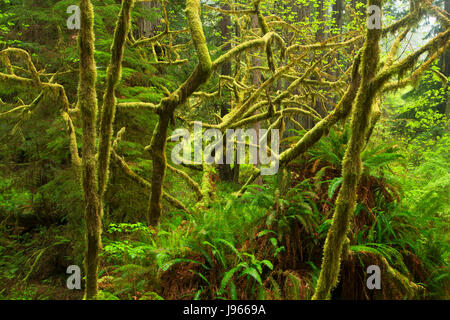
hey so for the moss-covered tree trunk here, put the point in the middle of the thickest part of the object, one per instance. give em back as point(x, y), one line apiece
point(351, 166)
point(109, 99)
point(445, 67)
point(94, 174)
point(168, 105)
point(88, 106)
point(158, 147)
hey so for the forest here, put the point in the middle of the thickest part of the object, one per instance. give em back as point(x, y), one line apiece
point(224, 149)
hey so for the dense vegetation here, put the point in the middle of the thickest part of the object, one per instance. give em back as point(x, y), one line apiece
point(87, 179)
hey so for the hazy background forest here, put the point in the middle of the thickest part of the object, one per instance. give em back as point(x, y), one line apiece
point(309, 68)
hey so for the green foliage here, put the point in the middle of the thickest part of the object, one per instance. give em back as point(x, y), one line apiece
point(126, 250)
point(12, 201)
point(250, 267)
point(418, 120)
point(267, 243)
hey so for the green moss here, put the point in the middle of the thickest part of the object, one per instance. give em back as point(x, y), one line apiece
point(168, 105)
point(351, 166)
point(109, 99)
point(87, 98)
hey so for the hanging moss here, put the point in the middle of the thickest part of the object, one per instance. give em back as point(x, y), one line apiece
point(341, 111)
point(198, 38)
point(265, 30)
point(72, 141)
point(207, 189)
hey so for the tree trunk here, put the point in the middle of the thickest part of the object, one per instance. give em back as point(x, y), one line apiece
point(147, 27)
point(168, 105)
point(158, 147)
point(225, 172)
point(108, 110)
point(445, 68)
point(256, 81)
point(88, 106)
point(338, 14)
point(320, 34)
point(94, 181)
point(351, 166)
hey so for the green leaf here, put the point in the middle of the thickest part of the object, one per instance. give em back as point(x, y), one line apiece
point(253, 273)
point(233, 291)
point(226, 278)
point(268, 264)
point(231, 246)
point(334, 184)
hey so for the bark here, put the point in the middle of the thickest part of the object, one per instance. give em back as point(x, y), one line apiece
point(87, 98)
point(320, 34)
point(302, 11)
point(338, 14)
point(147, 28)
point(158, 146)
point(94, 174)
point(256, 81)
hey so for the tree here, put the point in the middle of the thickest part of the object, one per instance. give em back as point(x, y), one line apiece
point(304, 58)
point(372, 82)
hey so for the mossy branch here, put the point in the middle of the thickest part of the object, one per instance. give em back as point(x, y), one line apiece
point(147, 105)
point(87, 98)
point(143, 182)
point(25, 56)
point(401, 67)
point(76, 160)
point(341, 111)
point(193, 184)
point(108, 110)
point(168, 105)
point(351, 166)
